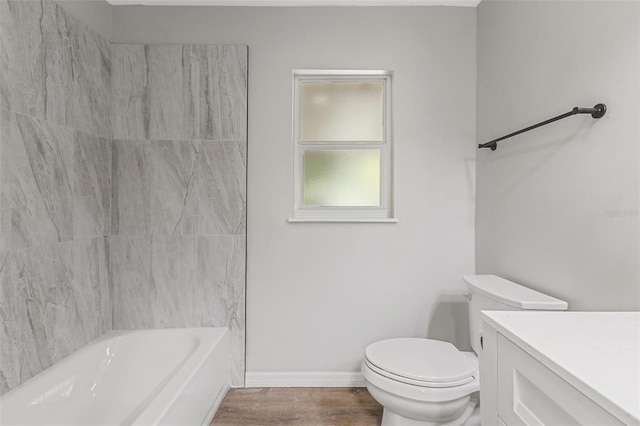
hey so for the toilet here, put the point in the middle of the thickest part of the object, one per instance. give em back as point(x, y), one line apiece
point(431, 382)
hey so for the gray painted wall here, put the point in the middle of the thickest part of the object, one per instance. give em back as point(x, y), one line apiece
point(55, 187)
point(317, 294)
point(557, 208)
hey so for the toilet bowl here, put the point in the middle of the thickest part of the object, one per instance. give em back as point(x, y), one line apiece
point(430, 382)
point(415, 392)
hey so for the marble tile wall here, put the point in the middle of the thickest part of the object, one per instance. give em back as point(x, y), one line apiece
point(55, 183)
point(184, 92)
point(178, 218)
point(179, 187)
point(147, 230)
point(53, 67)
point(55, 187)
point(55, 299)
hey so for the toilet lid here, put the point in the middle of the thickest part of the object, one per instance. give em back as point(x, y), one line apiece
point(425, 360)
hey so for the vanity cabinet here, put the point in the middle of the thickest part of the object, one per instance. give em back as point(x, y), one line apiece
point(534, 383)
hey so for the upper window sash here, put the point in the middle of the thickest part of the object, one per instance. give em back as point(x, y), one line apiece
point(341, 76)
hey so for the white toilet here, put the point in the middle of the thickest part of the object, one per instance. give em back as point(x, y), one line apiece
point(431, 382)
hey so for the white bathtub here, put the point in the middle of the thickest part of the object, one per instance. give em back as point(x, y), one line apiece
point(144, 377)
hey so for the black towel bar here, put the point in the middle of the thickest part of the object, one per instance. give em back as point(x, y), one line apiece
point(596, 112)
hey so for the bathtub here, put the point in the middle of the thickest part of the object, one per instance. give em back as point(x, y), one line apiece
point(143, 377)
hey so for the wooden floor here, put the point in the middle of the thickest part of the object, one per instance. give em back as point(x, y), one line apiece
point(298, 406)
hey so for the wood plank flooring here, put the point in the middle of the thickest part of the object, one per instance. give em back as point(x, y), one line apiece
point(298, 406)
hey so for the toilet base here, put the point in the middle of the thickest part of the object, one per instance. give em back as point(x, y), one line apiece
point(470, 417)
point(389, 418)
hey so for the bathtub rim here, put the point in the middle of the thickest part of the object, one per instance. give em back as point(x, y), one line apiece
point(158, 408)
point(209, 338)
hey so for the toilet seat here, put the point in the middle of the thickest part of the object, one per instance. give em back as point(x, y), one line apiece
point(414, 382)
point(417, 392)
point(420, 362)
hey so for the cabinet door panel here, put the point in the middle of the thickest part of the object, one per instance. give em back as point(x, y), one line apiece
point(531, 394)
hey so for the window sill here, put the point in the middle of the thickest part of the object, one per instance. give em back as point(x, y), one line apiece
point(339, 220)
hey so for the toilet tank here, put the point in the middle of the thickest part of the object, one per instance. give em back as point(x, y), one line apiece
point(492, 293)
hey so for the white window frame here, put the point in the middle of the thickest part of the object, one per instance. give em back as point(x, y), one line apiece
point(382, 213)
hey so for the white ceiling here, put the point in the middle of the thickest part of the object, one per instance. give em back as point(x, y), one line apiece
point(463, 3)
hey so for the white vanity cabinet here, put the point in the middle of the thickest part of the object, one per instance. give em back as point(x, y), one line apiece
point(560, 368)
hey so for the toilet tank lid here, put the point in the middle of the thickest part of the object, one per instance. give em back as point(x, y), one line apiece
point(513, 294)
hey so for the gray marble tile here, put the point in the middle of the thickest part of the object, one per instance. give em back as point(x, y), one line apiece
point(91, 186)
point(131, 193)
point(223, 111)
point(180, 92)
point(173, 274)
point(22, 64)
point(91, 296)
point(237, 327)
point(222, 188)
point(106, 306)
point(19, 354)
point(89, 94)
point(175, 180)
point(54, 67)
point(179, 187)
point(35, 182)
point(167, 101)
point(53, 302)
point(219, 299)
point(58, 53)
point(147, 100)
point(152, 279)
point(55, 183)
point(197, 187)
point(194, 85)
point(131, 281)
point(129, 97)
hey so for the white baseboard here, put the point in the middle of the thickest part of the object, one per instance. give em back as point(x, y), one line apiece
point(303, 379)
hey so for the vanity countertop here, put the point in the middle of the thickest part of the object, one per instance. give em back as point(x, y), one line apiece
point(596, 352)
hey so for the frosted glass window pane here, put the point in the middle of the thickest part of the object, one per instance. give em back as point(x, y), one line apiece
point(341, 111)
point(342, 178)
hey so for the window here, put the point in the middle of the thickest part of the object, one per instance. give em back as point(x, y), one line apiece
point(342, 144)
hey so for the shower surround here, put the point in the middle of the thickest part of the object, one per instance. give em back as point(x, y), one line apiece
point(122, 188)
